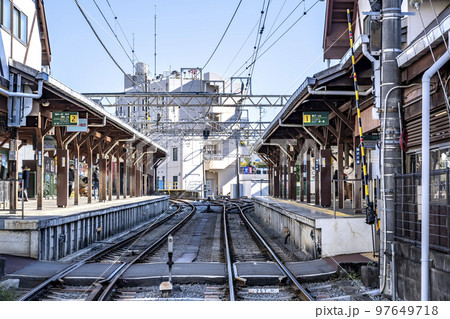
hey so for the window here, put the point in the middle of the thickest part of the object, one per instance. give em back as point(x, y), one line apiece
point(19, 22)
point(16, 22)
point(6, 14)
point(175, 154)
point(23, 27)
point(175, 182)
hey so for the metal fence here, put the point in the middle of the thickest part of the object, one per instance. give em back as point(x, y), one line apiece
point(408, 209)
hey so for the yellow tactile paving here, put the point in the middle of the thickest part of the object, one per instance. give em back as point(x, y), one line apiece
point(320, 209)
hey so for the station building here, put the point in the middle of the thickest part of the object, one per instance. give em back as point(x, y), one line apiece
point(45, 126)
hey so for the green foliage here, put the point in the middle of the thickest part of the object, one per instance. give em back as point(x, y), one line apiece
point(260, 164)
point(7, 294)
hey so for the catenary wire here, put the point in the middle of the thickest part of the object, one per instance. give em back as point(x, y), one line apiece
point(224, 33)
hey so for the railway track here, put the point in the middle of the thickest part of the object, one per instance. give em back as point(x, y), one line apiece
point(122, 253)
point(200, 241)
point(250, 246)
point(228, 236)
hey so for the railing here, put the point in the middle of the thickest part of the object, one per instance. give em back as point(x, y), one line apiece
point(5, 189)
point(170, 185)
point(352, 189)
point(408, 209)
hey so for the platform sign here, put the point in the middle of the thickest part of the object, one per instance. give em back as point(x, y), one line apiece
point(358, 156)
point(316, 118)
point(64, 118)
point(81, 127)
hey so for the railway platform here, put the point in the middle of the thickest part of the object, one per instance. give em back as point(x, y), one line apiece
point(316, 230)
point(52, 233)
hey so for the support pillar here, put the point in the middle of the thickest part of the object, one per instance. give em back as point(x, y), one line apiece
point(145, 174)
point(270, 176)
point(285, 183)
point(110, 177)
point(340, 160)
point(292, 180)
point(90, 169)
point(13, 169)
point(117, 175)
point(76, 181)
point(39, 155)
point(132, 178)
point(308, 177)
point(138, 180)
point(317, 175)
point(302, 179)
point(325, 178)
point(62, 189)
point(125, 177)
point(276, 181)
point(102, 179)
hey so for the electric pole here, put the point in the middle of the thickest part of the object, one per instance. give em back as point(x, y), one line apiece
point(390, 129)
point(238, 190)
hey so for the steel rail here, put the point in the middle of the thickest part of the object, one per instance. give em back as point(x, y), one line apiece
point(38, 289)
point(112, 282)
point(228, 254)
point(303, 293)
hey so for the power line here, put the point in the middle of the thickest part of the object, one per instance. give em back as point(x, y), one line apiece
point(259, 41)
point(265, 41)
point(121, 29)
point(242, 46)
point(224, 33)
point(265, 51)
point(115, 34)
point(285, 19)
point(276, 18)
point(103, 45)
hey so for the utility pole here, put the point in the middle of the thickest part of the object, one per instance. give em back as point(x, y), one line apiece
point(390, 129)
point(238, 191)
point(155, 46)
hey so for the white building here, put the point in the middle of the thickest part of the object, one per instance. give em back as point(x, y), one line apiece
point(193, 161)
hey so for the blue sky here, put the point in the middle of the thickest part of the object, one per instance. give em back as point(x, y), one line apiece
point(187, 33)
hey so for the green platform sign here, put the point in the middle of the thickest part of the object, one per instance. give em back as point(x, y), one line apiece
point(316, 118)
point(64, 118)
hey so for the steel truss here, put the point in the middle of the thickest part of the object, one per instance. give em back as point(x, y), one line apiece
point(188, 99)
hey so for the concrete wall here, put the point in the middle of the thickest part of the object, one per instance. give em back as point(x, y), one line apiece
point(20, 238)
point(333, 236)
point(52, 239)
point(408, 273)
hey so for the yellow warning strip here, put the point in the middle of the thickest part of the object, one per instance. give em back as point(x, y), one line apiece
point(319, 209)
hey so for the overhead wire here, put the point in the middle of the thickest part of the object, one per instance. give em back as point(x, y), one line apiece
point(276, 18)
point(282, 35)
point(115, 34)
point(260, 37)
point(108, 52)
point(102, 43)
point(304, 13)
point(120, 26)
point(256, 41)
point(137, 84)
point(224, 33)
